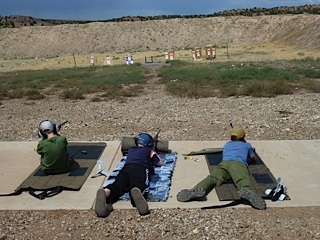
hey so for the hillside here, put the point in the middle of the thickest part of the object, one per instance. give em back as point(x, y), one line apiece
point(300, 31)
point(16, 21)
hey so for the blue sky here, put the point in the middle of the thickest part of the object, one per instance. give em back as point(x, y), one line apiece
point(107, 9)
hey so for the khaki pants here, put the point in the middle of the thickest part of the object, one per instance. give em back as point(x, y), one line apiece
point(234, 170)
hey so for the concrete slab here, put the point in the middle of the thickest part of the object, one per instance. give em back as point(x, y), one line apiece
point(18, 160)
point(296, 162)
point(186, 174)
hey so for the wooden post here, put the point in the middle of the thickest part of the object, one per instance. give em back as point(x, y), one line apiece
point(74, 60)
point(227, 51)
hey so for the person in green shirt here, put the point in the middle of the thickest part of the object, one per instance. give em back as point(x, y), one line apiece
point(53, 149)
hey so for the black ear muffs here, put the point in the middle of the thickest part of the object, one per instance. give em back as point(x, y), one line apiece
point(41, 134)
point(56, 128)
point(151, 144)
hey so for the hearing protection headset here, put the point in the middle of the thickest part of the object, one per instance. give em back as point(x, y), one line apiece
point(145, 139)
point(47, 126)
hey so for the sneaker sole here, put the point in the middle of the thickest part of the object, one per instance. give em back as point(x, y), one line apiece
point(255, 200)
point(100, 206)
point(186, 195)
point(140, 201)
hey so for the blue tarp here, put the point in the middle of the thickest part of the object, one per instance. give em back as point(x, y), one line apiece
point(160, 182)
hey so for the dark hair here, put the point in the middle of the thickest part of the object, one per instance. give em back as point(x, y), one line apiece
point(47, 131)
point(234, 138)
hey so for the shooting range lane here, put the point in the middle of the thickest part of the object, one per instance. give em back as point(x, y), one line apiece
point(295, 161)
point(261, 178)
point(85, 157)
point(160, 181)
point(13, 173)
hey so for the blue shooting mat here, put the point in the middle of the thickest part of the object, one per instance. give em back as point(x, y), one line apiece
point(160, 181)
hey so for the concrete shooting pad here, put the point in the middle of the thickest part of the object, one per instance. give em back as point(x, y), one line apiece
point(295, 161)
point(18, 160)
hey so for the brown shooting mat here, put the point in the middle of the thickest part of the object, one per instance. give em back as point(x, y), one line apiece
point(85, 155)
point(260, 174)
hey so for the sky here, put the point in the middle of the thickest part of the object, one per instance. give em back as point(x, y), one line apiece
point(108, 9)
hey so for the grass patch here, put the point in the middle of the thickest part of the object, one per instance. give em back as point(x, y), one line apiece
point(307, 67)
point(71, 83)
point(200, 80)
point(182, 79)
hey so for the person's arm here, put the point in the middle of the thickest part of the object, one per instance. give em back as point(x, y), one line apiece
point(160, 163)
point(252, 154)
point(156, 159)
point(39, 148)
point(254, 158)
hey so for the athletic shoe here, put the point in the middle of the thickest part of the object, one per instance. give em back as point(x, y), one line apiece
point(100, 207)
point(255, 200)
point(186, 195)
point(139, 201)
point(279, 194)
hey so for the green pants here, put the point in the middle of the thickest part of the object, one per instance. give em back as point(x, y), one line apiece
point(234, 170)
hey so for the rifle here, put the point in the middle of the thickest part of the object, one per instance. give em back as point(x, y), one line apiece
point(155, 138)
point(60, 125)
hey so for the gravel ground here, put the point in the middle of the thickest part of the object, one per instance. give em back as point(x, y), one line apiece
point(276, 223)
point(286, 117)
point(181, 119)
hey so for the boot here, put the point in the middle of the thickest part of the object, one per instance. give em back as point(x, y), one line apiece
point(255, 200)
point(186, 195)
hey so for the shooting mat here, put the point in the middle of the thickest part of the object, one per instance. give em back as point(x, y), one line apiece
point(260, 174)
point(160, 181)
point(85, 155)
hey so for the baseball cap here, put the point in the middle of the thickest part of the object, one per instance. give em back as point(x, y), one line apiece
point(238, 132)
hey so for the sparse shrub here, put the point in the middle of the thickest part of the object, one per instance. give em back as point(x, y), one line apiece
point(312, 86)
point(72, 94)
point(96, 99)
point(34, 94)
point(112, 91)
point(16, 93)
point(3, 93)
